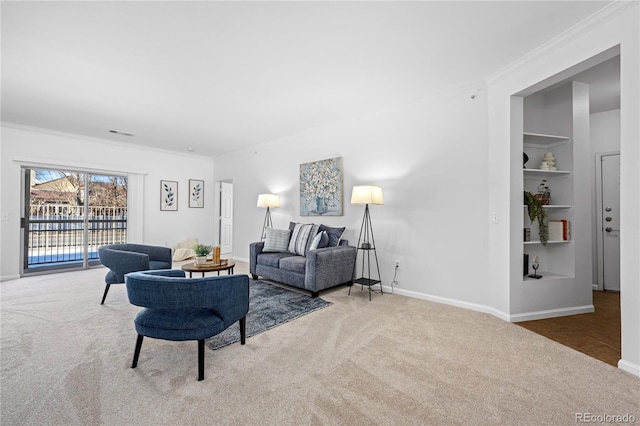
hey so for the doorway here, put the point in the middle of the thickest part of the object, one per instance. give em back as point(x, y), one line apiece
point(225, 215)
point(608, 220)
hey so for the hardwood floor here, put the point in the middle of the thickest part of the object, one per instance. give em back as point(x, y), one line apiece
point(596, 334)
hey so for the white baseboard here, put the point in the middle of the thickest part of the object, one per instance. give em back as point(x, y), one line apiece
point(629, 367)
point(240, 259)
point(9, 277)
point(527, 316)
point(552, 313)
point(452, 302)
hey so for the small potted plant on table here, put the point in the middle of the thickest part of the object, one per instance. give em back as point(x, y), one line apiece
point(201, 251)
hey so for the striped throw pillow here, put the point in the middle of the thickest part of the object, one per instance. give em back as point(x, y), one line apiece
point(299, 239)
point(277, 240)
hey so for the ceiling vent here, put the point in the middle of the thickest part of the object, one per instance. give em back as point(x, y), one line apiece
point(120, 133)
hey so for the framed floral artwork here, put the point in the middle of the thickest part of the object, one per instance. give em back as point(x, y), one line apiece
point(168, 195)
point(321, 188)
point(196, 193)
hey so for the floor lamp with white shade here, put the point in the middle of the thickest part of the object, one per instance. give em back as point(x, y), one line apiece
point(367, 194)
point(267, 201)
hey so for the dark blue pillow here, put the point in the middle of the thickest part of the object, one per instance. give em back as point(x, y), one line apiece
point(335, 235)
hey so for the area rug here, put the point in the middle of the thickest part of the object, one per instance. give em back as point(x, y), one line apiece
point(269, 306)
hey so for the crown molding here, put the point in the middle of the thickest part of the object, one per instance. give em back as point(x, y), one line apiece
point(595, 20)
point(85, 138)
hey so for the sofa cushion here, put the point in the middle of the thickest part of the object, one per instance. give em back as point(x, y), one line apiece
point(335, 234)
point(293, 264)
point(277, 240)
point(271, 259)
point(300, 238)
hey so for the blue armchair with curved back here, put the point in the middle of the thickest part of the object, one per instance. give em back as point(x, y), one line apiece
point(124, 258)
point(179, 308)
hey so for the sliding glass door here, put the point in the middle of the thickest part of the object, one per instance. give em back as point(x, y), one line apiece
point(68, 215)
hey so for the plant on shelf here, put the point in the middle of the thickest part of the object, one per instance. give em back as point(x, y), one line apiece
point(537, 212)
point(201, 251)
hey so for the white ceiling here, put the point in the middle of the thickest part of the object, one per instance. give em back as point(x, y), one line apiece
point(223, 76)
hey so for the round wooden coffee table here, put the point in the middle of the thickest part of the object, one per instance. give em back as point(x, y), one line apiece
point(208, 267)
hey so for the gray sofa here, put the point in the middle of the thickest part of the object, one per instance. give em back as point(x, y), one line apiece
point(317, 270)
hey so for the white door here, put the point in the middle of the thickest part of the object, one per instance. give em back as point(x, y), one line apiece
point(610, 165)
point(226, 217)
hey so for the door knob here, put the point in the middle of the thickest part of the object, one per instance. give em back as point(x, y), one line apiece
point(608, 229)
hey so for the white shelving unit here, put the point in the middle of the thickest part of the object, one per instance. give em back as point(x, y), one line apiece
point(527, 243)
point(544, 140)
point(554, 120)
point(556, 257)
point(543, 174)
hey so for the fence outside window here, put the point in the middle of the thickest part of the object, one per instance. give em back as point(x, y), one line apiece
point(56, 231)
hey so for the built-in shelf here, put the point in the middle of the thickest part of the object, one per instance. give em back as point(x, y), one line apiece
point(537, 173)
point(548, 242)
point(546, 276)
point(553, 207)
point(556, 207)
point(542, 139)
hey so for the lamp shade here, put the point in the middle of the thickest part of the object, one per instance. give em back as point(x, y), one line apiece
point(366, 194)
point(268, 200)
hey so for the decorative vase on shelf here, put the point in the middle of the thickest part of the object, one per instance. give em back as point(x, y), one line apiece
point(550, 160)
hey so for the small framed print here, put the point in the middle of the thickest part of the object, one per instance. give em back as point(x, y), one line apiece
point(196, 193)
point(168, 195)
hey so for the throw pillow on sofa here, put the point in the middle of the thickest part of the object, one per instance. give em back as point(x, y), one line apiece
point(277, 240)
point(300, 238)
point(320, 241)
point(335, 235)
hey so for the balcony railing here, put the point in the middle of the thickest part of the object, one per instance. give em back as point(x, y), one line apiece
point(56, 232)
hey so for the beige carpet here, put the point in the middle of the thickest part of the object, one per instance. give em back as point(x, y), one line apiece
point(395, 360)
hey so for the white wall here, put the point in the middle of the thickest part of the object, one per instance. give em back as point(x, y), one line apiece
point(604, 32)
point(605, 137)
point(605, 131)
point(159, 227)
point(430, 158)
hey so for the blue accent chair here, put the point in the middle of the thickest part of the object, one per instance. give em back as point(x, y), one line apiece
point(179, 308)
point(124, 258)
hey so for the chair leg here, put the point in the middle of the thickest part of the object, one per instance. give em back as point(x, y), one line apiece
point(243, 330)
point(200, 359)
point(104, 296)
point(136, 353)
